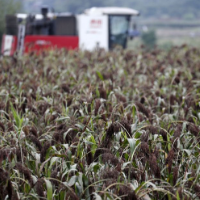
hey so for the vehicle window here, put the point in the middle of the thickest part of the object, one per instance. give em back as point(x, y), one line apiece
point(119, 24)
point(118, 32)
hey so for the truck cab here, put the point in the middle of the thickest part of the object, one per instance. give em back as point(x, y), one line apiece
point(104, 27)
point(117, 22)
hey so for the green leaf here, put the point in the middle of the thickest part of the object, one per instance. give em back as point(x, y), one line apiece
point(49, 190)
point(96, 167)
point(109, 196)
point(54, 160)
point(100, 75)
point(72, 181)
point(97, 197)
point(134, 112)
point(62, 118)
point(169, 196)
point(18, 119)
point(97, 92)
point(79, 150)
point(94, 145)
point(139, 187)
point(62, 194)
point(169, 143)
point(126, 156)
point(189, 152)
point(137, 135)
point(133, 143)
point(65, 134)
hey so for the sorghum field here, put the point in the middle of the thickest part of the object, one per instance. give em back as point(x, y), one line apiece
point(101, 125)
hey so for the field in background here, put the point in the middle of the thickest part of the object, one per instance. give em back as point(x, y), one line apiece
point(170, 33)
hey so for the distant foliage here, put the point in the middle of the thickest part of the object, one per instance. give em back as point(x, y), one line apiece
point(149, 39)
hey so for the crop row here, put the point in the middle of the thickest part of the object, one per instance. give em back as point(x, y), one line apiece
point(100, 125)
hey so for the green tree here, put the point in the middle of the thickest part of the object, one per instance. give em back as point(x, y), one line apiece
point(149, 39)
point(7, 7)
